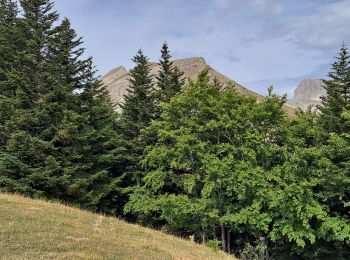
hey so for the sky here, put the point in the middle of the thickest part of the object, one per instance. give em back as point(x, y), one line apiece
point(257, 43)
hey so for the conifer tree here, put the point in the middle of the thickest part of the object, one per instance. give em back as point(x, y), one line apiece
point(8, 48)
point(87, 139)
point(138, 106)
point(63, 141)
point(138, 110)
point(8, 44)
point(32, 126)
point(164, 77)
point(338, 92)
point(169, 79)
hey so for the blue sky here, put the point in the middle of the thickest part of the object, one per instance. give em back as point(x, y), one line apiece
point(258, 43)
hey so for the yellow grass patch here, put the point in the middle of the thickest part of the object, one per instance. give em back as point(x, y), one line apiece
point(34, 229)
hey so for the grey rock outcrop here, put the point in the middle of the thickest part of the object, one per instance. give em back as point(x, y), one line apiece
point(308, 94)
point(117, 82)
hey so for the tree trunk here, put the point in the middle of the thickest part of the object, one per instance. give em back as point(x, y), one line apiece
point(223, 241)
point(215, 229)
point(204, 241)
point(228, 240)
point(264, 255)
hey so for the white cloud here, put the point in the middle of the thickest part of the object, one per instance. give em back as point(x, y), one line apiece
point(270, 6)
point(317, 26)
point(288, 39)
point(326, 27)
point(222, 3)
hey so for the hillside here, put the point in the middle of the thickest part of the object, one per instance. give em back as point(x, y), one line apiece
point(117, 80)
point(30, 229)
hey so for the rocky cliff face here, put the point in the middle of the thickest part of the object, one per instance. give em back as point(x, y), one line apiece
point(308, 93)
point(117, 80)
point(310, 89)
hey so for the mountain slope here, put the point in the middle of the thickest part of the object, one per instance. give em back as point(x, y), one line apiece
point(33, 229)
point(117, 80)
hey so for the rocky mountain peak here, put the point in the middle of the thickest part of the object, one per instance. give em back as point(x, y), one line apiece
point(117, 80)
point(308, 94)
point(115, 74)
point(310, 89)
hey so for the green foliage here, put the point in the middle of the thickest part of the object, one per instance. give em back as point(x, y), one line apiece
point(138, 110)
point(60, 140)
point(10, 46)
point(338, 92)
point(196, 160)
point(222, 159)
point(208, 166)
point(214, 244)
point(309, 204)
point(255, 252)
point(138, 106)
point(169, 80)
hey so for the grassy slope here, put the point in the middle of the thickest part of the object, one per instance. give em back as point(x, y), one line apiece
point(32, 229)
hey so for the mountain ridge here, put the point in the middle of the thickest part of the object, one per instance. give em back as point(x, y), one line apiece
point(117, 79)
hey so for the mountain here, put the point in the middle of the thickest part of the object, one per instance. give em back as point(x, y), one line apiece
point(35, 229)
point(308, 93)
point(117, 80)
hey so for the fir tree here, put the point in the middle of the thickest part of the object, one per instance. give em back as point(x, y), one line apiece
point(87, 140)
point(338, 92)
point(9, 48)
point(63, 141)
point(32, 125)
point(138, 110)
point(138, 106)
point(37, 25)
point(164, 76)
point(8, 44)
point(169, 79)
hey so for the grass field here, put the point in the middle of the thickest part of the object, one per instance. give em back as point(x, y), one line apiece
point(34, 229)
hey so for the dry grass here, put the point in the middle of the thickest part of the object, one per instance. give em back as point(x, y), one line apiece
point(34, 229)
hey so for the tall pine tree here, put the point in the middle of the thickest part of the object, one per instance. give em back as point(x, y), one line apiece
point(138, 110)
point(26, 149)
point(338, 92)
point(87, 140)
point(9, 44)
point(8, 48)
point(63, 141)
point(169, 79)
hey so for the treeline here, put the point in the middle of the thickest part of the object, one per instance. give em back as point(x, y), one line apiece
point(195, 158)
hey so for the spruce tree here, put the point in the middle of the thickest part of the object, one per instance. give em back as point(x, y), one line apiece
point(32, 126)
point(88, 142)
point(164, 76)
point(8, 44)
point(138, 110)
point(9, 47)
point(169, 79)
point(338, 92)
point(63, 140)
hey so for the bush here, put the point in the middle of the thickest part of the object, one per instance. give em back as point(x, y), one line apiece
point(214, 244)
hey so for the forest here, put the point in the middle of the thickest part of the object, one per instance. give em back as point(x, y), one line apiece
point(193, 158)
